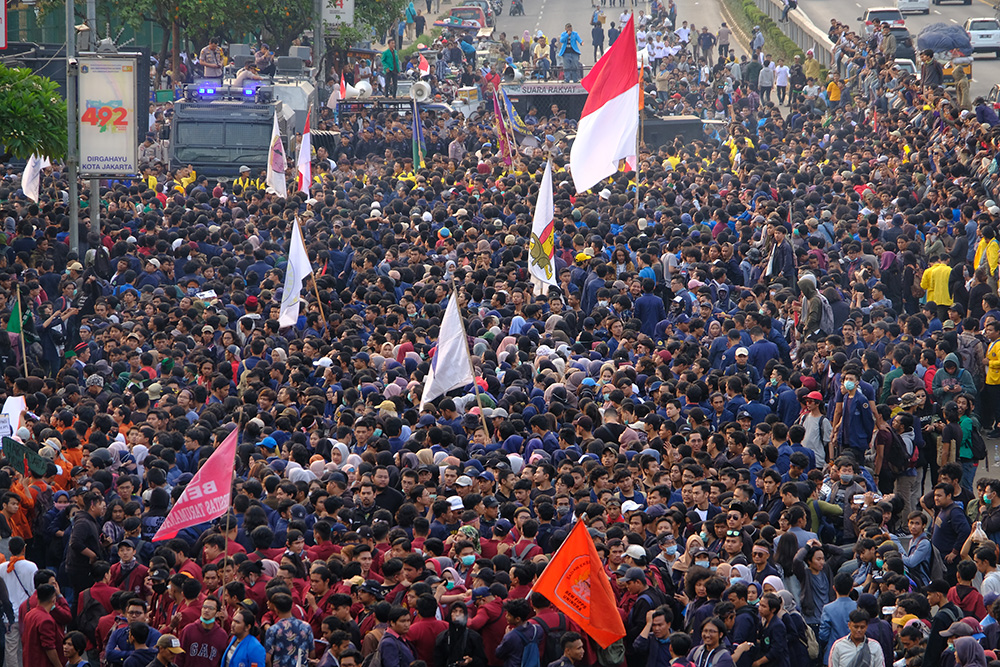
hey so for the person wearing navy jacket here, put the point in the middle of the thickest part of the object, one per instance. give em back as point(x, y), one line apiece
point(244, 650)
point(772, 643)
point(393, 649)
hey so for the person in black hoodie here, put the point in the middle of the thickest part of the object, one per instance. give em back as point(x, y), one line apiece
point(459, 646)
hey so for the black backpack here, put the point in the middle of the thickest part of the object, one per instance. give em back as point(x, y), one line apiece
point(977, 445)
point(552, 650)
point(89, 613)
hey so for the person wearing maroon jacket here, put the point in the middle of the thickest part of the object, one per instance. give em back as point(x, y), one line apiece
point(186, 609)
point(102, 590)
point(61, 612)
point(128, 573)
point(425, 628)
point(255, 583)
point(183, 564)
point(318, 604)
point(324, 548)
point(489, 620)
point(41, 635)
point(205, 641)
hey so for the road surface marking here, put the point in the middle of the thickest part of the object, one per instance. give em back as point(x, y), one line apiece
point(937, 12)
point(953, 20)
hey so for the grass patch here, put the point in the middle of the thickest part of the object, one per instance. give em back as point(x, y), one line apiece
point(426, 39)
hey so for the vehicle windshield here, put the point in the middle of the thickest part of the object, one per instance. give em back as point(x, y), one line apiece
point(885, 15)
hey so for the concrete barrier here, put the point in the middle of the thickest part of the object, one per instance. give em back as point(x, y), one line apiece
point(800, 29)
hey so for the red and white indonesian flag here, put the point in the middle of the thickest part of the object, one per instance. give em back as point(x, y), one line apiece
point(305, 158)
point(610, 122)
point(207, 496)
point(424, 67)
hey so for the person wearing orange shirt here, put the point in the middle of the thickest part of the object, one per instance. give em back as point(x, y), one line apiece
point(20, 522)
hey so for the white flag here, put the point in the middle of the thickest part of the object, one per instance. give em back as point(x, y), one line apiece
point(305, 159)
point(542, 251)
point(296, 271)
point(32, 177)
point(451, 367)
point(276, 162)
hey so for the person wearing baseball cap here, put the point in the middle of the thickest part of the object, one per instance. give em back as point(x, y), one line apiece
point(167, 647)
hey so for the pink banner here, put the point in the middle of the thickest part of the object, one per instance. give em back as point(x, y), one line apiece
point(207, 496)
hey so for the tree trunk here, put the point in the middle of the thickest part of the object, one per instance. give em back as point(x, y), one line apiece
point(175, 55)
point(162, 59)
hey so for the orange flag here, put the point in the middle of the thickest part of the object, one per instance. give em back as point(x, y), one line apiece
point(576, 583)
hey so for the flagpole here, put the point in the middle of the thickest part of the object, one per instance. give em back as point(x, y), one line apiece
point(322, 316)
point(468, 353)
point(502, 103)
point(20, 313)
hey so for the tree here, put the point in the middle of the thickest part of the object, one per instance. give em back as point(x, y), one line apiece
point(32, 115)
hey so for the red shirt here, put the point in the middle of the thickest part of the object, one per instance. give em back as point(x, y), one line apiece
point(102, 593)
point(320, 551)
point(39, 633)
point(423, 632)
point(191, 568)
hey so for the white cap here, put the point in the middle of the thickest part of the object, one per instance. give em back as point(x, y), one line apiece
point(742, 350)
point(630, 506)
point(455, 502)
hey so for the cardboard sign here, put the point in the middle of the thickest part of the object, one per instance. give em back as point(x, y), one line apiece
point(21, 458)
point(5, 430)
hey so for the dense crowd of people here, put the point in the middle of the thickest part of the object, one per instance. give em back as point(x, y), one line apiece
point(767, 382)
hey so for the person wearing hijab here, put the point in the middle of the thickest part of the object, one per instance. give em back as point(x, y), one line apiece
point(969, 653)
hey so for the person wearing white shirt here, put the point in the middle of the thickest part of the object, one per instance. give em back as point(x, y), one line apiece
point(986, 561)
point(623, 18)
point(18, 575)
point(683, 33)
point(640, 39)
point(846, 651)
point(781, 72)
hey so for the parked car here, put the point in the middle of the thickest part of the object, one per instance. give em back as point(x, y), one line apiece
point(890, 15)
point(984, 33)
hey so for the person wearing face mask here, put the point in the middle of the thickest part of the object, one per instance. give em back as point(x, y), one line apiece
point(854, 418)
point(459, 645)
point(204, 642)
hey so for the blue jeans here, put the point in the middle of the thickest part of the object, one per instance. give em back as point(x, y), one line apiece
point(571, 66)
point(968, 474)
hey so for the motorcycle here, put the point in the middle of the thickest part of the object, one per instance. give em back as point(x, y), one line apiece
point(516, 8)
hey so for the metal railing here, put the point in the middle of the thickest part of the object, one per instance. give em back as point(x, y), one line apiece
point(800, 29)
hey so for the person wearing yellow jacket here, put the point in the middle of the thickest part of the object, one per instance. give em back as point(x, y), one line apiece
point(988, 256)
point(935, 281)
point(991, 390)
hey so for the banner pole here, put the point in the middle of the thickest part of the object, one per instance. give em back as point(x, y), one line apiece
point(20, 313)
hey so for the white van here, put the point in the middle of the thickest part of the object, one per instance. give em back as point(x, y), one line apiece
point(914, 6)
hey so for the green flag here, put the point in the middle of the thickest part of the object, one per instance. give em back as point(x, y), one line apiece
point(14, 323)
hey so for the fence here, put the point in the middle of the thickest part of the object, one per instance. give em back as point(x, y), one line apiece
point(801, 30)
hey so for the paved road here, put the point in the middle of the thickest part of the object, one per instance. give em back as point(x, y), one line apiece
point(986, 68)
point(550, 16)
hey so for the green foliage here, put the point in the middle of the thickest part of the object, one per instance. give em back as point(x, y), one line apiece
point(378, 14)
point(775, 41)
point(32, 115)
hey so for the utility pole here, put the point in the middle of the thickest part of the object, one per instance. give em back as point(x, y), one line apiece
point(319, 42)
point(94, 201)
point(72, 143)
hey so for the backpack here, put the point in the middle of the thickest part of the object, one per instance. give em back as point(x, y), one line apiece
point(517, 558)
point(531, 655)
point(553, 637)
point(808, 639)
point(937, 563)
point(916, 291)
point(970, 353)
point(826, 318)
point(612, 656)
point(89, 613)
point(374, 659)
point(896, 457)
point(977, 445)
